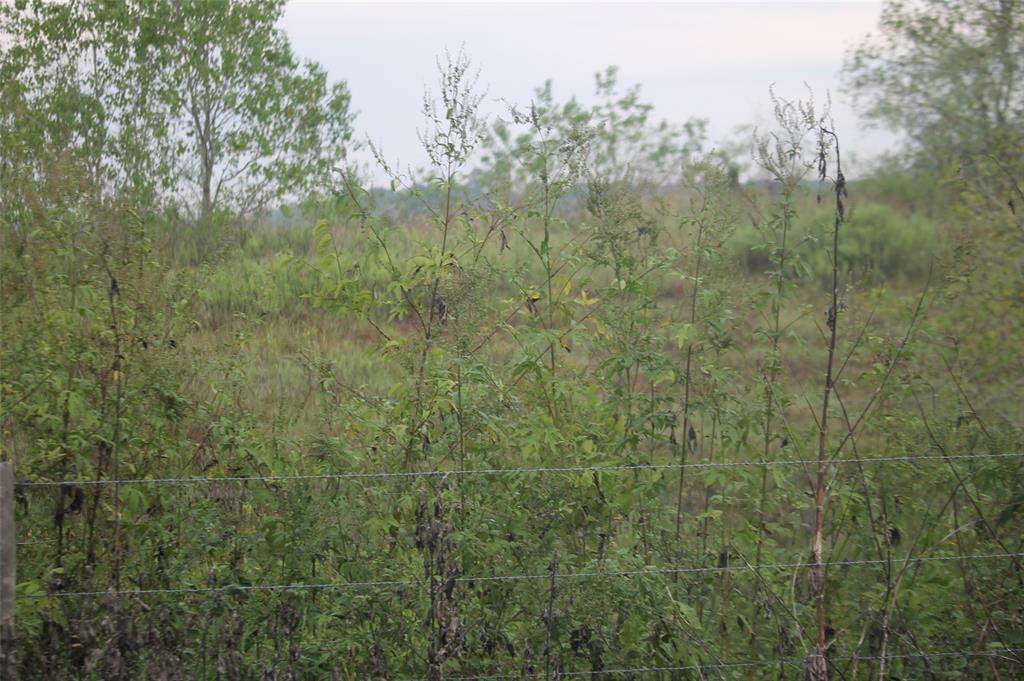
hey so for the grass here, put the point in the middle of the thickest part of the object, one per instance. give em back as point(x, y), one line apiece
point(255, 306)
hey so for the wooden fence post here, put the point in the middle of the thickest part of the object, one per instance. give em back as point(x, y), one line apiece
point(8, 543)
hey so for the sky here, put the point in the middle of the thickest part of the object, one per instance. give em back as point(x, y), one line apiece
point(713, 60)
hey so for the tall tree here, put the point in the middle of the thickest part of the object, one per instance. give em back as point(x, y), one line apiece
point(262, 124)
point(950, 74)
point(201, 102)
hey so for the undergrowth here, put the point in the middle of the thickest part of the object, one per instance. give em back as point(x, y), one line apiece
point(660, 345)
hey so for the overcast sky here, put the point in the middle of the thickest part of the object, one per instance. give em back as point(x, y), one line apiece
point(714, 60)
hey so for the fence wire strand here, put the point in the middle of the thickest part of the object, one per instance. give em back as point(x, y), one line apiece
point(746, 664)
point(473, 580)
point(540, 470)
point(331, 586)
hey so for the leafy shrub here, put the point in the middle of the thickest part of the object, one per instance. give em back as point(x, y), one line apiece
point(878, 243)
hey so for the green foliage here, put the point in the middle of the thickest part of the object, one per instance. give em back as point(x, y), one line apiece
point(879, 243)
point(199, 103)
point(585, 313)
point(948, 74)
point(616, 138)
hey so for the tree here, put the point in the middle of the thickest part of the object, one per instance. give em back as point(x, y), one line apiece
point(262, 124)
point(623, 141)
point(197, 102)
point(948, 74)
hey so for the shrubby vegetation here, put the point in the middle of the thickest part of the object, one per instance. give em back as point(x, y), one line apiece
point(887, 244)
point(601, 298)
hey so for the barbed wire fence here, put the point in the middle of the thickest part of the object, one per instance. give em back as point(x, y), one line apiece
point(8, 544)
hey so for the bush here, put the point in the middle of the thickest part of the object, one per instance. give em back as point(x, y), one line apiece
point(878, 243)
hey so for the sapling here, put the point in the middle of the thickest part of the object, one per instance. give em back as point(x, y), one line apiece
point(781, 154)
point(817, 664)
